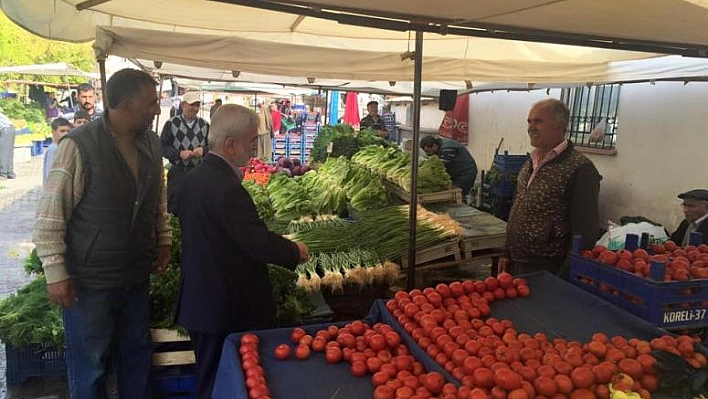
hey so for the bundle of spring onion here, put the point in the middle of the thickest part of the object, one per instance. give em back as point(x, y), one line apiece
point(289, 198)
point(366, 190)
point(356, 267)
point(395, 166)
point(386, 231)
point(307, 223)
point(383, 231)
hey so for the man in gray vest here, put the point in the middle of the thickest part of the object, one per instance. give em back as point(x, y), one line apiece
point(101, 227)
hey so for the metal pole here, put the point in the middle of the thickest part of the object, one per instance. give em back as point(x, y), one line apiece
point(159, 96)
point(326, 108)
point(102, 70)
point(413, 208)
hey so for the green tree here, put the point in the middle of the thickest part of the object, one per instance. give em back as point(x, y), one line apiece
point(20, 47)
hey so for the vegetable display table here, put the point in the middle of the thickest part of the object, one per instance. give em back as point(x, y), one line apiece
point(555, 307)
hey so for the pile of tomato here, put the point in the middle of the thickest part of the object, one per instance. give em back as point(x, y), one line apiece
point(252, 369)
point(489, 358)
point(690, 262)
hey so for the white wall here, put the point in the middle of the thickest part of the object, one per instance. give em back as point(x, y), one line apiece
point(662, 139)
point(430, 115)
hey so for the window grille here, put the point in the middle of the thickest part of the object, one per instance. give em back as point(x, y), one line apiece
point(589, 106)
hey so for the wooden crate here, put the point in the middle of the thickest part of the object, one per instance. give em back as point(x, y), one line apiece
point(452, 195)
point(470, 245)
point(171, 357)
point(450, 248)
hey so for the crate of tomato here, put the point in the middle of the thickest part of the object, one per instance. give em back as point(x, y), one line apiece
point(664, 284)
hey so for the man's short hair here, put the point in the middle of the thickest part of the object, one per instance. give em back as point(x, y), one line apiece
point(84, 87)
point(82, 115)
point(125, 85)
point(231, 120)
point(429, 141)
point(558, 109)
point(59, 122)
point(218, 100)
point(370, 103)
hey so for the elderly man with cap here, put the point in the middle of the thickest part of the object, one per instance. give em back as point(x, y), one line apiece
point(184, 143)
point(695, 207)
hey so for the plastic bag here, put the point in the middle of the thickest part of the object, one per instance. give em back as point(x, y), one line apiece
point(615, 236)
point(598, 133)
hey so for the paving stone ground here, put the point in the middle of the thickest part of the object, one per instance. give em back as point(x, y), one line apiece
point(18, 201)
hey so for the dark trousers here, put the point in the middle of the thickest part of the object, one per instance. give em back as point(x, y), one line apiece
point(207, 350)
point(108, 328)
point(175, 178)
point(7, 152)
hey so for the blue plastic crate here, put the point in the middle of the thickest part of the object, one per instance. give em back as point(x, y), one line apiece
point(33, 360)
point(671, 305)
point(174, 382)
point(506, 163)
point(36, 148)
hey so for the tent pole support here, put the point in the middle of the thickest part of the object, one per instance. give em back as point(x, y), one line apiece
point(413, 208)
point(102, 70)
point(159, 99)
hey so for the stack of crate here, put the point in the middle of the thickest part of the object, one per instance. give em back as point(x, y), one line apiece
point(499, 184)
point(295, 146)
point(280, 146)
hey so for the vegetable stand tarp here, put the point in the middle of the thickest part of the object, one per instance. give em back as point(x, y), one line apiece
point(555, 307)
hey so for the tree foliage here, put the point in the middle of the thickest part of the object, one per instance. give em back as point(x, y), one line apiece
point(20, 47)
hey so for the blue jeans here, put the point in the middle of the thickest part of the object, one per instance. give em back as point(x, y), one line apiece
point(108, 327)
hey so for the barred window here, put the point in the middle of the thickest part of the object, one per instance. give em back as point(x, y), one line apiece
point(589, 107)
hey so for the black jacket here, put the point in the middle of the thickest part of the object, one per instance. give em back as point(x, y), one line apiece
point(677, 236)
point(224, 285)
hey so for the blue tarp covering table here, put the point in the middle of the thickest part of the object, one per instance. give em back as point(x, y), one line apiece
point(555, 307)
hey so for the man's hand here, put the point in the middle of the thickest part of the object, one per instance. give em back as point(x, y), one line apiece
point(503, 264)
point(198, 152)
point(304, 253)
point(62, 293)
point(185, 154)
point(164, 253)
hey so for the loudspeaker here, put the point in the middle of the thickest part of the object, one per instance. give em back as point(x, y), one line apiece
point(447, 100)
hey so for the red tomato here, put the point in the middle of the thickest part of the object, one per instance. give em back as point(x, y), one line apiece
point(377, 342)
point(244, 348)
point(282, 351)
point(347, 340)
point(302, 352)
point(254, 372)
point(258, 391)
point(296, 334)
point(392, 339)
point(358, 327)
point(334, 355)
point(249, 338)
point(403, 362)
point(384, 392)
point(249, 364)
point(359, 369)
point(306, 340)
point(434, 382)
point(374, 364)
point(319, 343)
point(253, 381)
point(380, 378)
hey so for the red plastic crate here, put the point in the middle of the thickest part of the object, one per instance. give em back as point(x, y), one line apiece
point(671, 305)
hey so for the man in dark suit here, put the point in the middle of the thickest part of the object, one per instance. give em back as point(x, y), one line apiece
point(224, 286)
point(695, 207)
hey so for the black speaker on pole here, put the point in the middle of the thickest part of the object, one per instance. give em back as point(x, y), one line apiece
point(447, 100)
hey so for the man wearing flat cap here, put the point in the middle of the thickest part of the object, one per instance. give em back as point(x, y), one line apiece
point(695, 207)
point(184, 144)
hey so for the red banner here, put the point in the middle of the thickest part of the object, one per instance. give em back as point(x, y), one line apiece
point(455, 124)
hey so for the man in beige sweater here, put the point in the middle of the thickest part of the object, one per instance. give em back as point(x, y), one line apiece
point(101, 227)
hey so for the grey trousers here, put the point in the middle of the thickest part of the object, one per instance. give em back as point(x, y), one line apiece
point(7, 152)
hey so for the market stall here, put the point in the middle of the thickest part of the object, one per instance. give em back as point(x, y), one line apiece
point(554, 308)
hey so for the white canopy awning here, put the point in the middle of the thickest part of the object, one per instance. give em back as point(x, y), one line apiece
point(661, 26)
point(55, 69)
